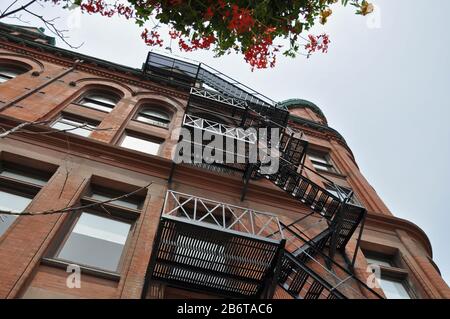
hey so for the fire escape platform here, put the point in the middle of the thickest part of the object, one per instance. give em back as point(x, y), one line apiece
point(234, 255)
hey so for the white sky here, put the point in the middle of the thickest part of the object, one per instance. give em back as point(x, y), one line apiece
point(384, 85)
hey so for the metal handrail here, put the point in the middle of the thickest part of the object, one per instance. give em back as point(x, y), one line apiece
point(311, 244)
point(245, 218)
point(219, 128)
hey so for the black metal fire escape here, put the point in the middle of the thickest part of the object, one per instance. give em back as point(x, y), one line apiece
point(214, 257)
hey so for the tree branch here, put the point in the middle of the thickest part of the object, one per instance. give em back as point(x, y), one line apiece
point(20, 129)
point(49, 23)
point(73, 208)
point(24, 7)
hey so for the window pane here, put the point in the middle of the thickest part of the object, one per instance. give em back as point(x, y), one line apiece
point(104, 99)
point(152, 121)
point(96, 241)
point(394, 289)
point(11, 202)
point(8, 73)
point(21, 176)
point(322, 167)
point(121, 202)
point(140, 145)
point(317, 158)
point(156, 114)
point(66, 124)
point(92, 104)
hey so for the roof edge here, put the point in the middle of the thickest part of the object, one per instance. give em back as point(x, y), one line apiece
point(301, 103)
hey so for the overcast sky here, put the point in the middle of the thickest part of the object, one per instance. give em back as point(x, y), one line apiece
point(384, 85)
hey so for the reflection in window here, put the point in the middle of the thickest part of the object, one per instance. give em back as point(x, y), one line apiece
point(152, 116)
point(96, 241)
point(102, 195)
point(9, 72)
point(27, 177)
point(102, 101)
point(11, 202)
point(74, 126)
point(140, 144)
point(393, 288)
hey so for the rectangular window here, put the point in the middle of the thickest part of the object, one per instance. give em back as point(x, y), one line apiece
point(97, 236)
point(394, 288)
point(18, 186)
point(74, 126)
point(96, 241)
point(321, 161)
point(394, 285)
point(101, 194)
point(27, 177)
point(12, 202)
point(140, 144)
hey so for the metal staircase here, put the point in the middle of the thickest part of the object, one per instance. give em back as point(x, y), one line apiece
point(302, 266)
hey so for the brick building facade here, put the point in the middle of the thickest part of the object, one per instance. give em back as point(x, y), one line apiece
point(120, 127)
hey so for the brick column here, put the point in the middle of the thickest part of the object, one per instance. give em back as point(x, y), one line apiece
point(141, 249)
point(25, 243)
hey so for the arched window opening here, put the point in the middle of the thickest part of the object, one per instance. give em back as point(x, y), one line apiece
point(8, 72)
point(151, 115)
point(100, 100)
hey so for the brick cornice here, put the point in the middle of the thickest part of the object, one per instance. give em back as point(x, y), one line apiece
point(389, 222)
point(90, 65)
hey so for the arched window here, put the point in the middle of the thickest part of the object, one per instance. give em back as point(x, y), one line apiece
point(153, 116)
point(8, 72)
point(100, 100)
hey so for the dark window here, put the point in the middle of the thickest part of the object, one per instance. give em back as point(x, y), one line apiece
point(153, 116)
point(100, 100)
point(10, 72)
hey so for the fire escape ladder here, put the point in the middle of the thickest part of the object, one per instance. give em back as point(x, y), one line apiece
point(344, 226)
point(310, 248)
point(302, 188)
point(306, 271)
point(301, 282)
point(230, 258)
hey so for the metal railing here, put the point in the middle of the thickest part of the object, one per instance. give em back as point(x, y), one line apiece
point(237, 133)
point(222, 216)
point(338, 277)
point(218, 97)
